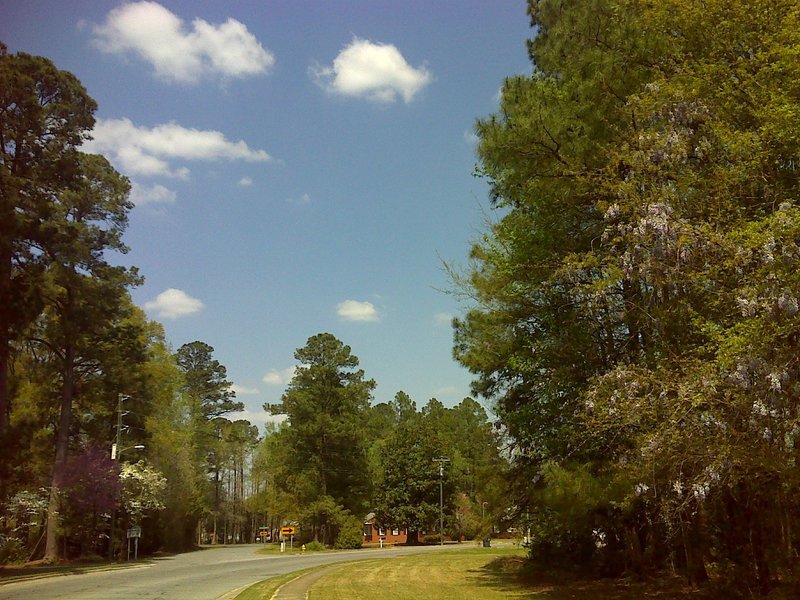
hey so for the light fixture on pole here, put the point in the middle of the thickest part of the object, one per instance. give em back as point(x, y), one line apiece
point(116, 453)
point(441, 462)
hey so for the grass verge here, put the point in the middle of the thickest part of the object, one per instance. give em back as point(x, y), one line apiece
point(445, 575)
point(489, 574)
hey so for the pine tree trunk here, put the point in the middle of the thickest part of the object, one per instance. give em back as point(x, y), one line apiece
point(5, 335)
point(51, 553)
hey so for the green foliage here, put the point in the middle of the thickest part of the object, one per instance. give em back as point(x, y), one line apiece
point(325, 436)
point(329, 522)
point(314, 546)
point(407, 475)
point(142, 489)
point(408, 487)
point(76, 343)
point(205, 381)
point(12, 551)
point(350, 536)
point(637, 300)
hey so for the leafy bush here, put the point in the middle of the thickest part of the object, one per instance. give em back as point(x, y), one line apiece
point(12, 551)
point(350, 535)
point(431, 538)
point(314, 546)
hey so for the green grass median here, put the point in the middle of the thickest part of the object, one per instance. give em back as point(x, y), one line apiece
point(435, 575)
point(464, 573)
point(483, 573)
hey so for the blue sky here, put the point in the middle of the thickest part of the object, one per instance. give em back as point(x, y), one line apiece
point(298, 167)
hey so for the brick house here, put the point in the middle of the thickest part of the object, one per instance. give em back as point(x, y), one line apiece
point(373, 532)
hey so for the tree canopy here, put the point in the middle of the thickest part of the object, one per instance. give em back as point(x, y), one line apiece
point(636, 299)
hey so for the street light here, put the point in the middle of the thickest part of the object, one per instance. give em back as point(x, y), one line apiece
point(483, 511)
point(441, 462)
point(116, 453)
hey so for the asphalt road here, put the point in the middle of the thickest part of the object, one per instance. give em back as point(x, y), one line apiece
point(204, 575)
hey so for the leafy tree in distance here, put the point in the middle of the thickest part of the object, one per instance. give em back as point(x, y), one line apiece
point(326, 405)
point(206, 381)
point(407, 488)
point(210, 398)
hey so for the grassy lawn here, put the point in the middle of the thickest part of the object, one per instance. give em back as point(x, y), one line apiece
point(466, 573)
point(478, 573)
point(434, 575)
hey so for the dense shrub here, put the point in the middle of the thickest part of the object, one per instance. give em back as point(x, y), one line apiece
point(314, 546)
point(350, 535)
point(12, 551)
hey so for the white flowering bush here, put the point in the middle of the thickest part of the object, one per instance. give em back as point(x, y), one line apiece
point(142, 489)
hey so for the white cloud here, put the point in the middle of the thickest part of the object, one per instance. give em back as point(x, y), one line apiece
point(245, 182)
point(146, 151)
point(172, 303)
point(353, 310)
point(377, 72)
point(443, 318)
point(445, 391)
point(178, 53)
point(300, 201)
point(156, 194)
point(257, 417)
point(241, 390)
point(471, 138)
point(276, 377)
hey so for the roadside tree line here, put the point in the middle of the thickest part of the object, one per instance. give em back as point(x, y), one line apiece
point(636, 317)
point(338, 456)
point(81, 367)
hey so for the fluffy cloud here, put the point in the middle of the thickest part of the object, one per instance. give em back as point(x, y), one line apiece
point(172, 303)
point(445, 391)
point(300, 200)
point(276, 377)
point(246, 182)
point(377, 72)
point(153, 195)
point(147, 151)
point(178, 53)
point(353, 310)
point(443, 318)
point(257, 417)
point(241, 390)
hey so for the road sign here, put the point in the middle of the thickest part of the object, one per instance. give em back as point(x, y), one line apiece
point(135, 532)
point(287, 530)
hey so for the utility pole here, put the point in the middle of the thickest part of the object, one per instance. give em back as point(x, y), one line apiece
point(441, 462)
point(115, 456)
point(116, 453)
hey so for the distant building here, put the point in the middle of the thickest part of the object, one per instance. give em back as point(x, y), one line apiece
point(373, 532)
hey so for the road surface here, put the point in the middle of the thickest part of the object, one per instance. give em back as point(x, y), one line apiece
point(204, 575)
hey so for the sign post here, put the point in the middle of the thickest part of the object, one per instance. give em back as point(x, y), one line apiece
point(288, 532)
point(134, 533)
point(263, 534)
